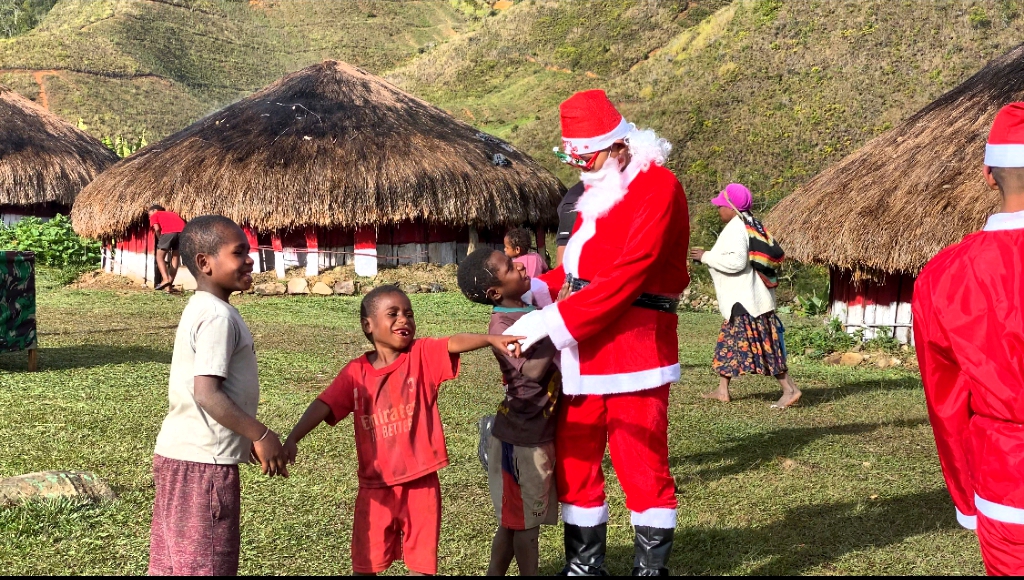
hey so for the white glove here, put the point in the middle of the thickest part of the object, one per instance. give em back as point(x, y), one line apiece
point(531, 326)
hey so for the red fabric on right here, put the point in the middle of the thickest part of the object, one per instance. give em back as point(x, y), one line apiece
point(169, 222)
point(399, 436)
point(1002, 547)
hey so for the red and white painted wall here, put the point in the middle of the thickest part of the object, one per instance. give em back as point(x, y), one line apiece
point(318, 249)
point(873, 305)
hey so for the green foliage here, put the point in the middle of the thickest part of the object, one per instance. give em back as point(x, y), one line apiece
point(55, 244)
point(978, 18)
point(884, 340)
point(125, 146)
point(812, 305)
point(20, 16)
point(822, 340)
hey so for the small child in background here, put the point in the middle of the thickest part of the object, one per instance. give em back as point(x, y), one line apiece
point(521, 454)
point(392, 393)
point(211, 424)
point(517, 247)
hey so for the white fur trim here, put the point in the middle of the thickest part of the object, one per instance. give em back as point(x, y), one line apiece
point(586, 517)
point(998, 512)
point(557, 331)
point(576, 383)
point(584, 145)
point(1009, 155)
point(969, 522)
point(1005, 221)
point(574, 247)
point(664, 518)
point(540, 294)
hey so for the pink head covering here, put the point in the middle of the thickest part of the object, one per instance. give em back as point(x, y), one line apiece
point(738, 195)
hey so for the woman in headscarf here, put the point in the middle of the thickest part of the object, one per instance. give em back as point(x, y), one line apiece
point(751, 341)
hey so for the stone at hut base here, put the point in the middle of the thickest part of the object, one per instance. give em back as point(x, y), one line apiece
point(365, 288)
point(834, 358)
point(851, 359)
point(882, 362)
point(298, 286)
point(78, 485)
point(322, 289)
point(345, 288)
point(435, 288)
point(411, 288)
point(270, 289)
point(895, 362)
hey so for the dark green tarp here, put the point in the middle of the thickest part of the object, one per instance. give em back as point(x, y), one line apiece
point(17, 301)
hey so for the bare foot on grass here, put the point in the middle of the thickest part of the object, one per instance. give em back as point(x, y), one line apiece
point(787, 400)
point(717, 396)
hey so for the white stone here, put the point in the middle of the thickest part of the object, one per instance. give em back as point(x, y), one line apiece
point(298, 286)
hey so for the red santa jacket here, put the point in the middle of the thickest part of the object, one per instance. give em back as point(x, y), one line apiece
point(640, 245)
point(969, 333)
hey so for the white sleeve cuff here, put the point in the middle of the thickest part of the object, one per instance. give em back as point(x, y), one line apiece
point(540, 293)
point(556, 328)
point(969, 522)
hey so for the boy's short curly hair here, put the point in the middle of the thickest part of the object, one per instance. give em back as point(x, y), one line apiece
point(368, 307)
point(519, 238)
point(203, 235)
point(476, 275)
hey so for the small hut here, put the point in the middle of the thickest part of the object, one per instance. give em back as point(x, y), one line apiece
point(327, 166)
point(44, 160)
point(876, 217)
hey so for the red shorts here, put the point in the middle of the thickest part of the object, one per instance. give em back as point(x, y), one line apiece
point(400, 522)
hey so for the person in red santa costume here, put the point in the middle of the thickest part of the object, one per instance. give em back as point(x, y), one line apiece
point(969, 332)
point(623, 271)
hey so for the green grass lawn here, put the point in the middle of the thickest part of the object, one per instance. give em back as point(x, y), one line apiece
point(846, 483)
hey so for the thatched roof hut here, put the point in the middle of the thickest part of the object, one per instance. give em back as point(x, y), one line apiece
point(327, 150)
point(880, 214)
point(44, 160)
point(329, 146)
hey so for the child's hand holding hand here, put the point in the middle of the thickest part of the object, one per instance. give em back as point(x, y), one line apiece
point(291, 449)
point(270, 454)
point(506, 343)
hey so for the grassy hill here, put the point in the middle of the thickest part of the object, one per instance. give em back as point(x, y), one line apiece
point(128, 65)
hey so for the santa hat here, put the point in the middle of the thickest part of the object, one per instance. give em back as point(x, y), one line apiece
point(590, 123)
point(1005, 147)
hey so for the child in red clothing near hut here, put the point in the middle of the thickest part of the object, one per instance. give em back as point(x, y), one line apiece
point(517, 247)
point(391, 392)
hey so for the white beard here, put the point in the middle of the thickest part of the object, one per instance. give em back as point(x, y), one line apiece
point(602, 189)
point(606, 187)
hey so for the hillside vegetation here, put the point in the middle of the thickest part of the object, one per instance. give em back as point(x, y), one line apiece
point(128, 65)
point(760, 91)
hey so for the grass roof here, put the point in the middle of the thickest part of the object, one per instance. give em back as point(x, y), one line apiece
point(895, 202)
point(44, 159)
point(329, 145)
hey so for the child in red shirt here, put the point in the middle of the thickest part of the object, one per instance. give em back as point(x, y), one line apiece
point(392, 393)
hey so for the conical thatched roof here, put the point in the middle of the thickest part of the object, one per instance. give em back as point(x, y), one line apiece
point(329, 145)
point(895, 202)
point(43, 158)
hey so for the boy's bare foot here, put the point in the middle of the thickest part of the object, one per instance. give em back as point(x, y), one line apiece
point(787, 400)
point(717, 396)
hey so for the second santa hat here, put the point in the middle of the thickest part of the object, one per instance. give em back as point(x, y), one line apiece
point(1005, 147)
point(591, 123)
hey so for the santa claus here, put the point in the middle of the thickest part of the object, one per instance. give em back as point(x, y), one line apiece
point(969, 333)
point(615, 324)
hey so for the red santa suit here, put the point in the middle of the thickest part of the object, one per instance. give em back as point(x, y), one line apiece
point(969, 333)
point(618, 359)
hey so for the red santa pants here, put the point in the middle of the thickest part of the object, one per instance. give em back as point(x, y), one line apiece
point(1002, 547)
point(635, 427)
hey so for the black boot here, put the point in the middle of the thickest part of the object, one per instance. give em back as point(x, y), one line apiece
point(652, 547)
point(584, 550)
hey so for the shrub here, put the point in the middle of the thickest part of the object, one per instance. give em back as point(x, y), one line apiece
point(55, 244)
point(822, 340)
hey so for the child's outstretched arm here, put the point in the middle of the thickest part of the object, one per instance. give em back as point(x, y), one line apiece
point(316, 413)
point(460, 343)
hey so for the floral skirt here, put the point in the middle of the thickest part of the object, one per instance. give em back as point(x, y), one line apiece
point(749, 345)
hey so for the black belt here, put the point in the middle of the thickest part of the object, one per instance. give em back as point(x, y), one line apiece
point(645, 300)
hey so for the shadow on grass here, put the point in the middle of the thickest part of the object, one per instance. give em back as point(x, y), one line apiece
point(805, 538)
point(813, 396)
point(84, 356)
point(750, 451)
